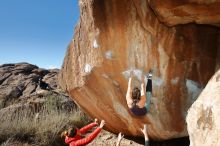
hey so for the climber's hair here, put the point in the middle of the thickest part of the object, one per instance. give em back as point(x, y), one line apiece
point(136, 94)
point(72, 131)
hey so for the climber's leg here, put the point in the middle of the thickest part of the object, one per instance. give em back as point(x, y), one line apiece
point(148, 92)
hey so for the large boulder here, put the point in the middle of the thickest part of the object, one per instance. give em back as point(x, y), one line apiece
point(115, 36)
point(203, 116)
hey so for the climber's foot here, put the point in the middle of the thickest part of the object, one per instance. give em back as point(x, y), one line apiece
point(149, 74)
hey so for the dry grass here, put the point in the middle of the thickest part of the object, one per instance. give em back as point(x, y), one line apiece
point(42, 128)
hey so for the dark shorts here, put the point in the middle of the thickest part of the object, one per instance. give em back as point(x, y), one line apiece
point(139, 111)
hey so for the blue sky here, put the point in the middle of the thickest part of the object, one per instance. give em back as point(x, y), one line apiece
point(36, 31)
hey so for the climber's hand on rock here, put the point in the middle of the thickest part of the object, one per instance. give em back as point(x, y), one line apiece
point(131, 73)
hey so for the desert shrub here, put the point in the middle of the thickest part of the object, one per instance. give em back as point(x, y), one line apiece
point(42, 128)
point(14, 142)
point(1, 103)
point(52, 102)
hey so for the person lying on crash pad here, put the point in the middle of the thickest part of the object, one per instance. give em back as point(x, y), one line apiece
point(74, 136)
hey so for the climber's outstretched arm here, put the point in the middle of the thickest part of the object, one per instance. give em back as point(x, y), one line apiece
point(143, 92)
point(143, 99)
point(120, 137)
point(129, 90)
point(144, 131)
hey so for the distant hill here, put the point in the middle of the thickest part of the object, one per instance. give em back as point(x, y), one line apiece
point(22, 84)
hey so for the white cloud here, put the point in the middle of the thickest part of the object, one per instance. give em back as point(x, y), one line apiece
point(52, 67)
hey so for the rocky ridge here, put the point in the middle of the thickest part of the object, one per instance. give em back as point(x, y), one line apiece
point(24, 84)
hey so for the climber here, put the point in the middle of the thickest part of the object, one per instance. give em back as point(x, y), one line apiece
point(146, 139)
point(137, 101)
point(74, 136)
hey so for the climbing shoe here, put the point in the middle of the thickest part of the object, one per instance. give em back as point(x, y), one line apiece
point(150, 74)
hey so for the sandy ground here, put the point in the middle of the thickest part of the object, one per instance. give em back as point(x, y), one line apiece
point(108, 139)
